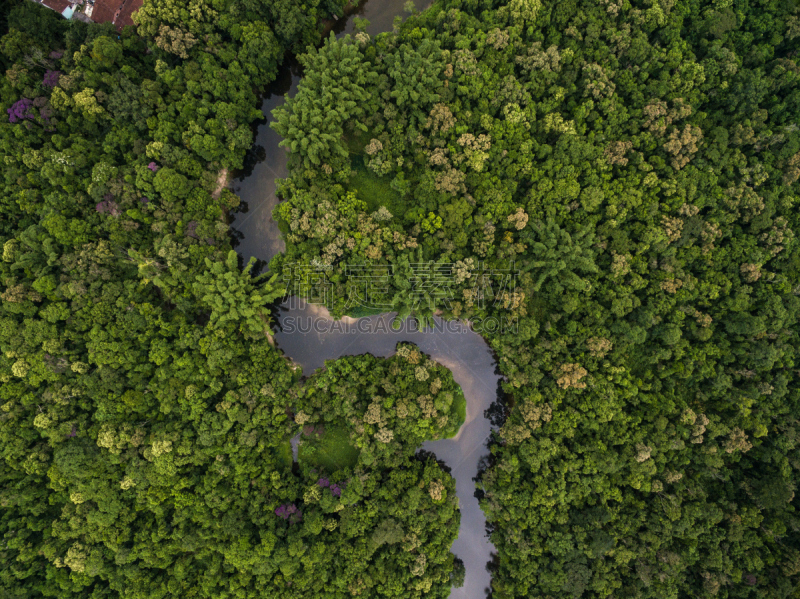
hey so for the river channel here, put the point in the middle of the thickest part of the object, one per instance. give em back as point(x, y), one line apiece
point(306, 335)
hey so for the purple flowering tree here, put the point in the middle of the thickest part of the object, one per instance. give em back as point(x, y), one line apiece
point(51, 78)
point(108, 206)
point(41, 103)
point(153, 166)
point(290, 512)
point(335, 488)
point(21, 110)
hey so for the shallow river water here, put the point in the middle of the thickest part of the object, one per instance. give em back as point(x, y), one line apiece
point(254, 227)
point(304, 333)
point(307, 338)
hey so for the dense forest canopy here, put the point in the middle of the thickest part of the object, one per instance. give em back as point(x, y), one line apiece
point(636, 164)
point(145, 416)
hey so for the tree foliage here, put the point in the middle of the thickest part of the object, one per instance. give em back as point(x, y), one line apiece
point(144, 413)
point(636, 165)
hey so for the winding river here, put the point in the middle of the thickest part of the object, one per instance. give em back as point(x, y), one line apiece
point(255, 230)
point(309, 336)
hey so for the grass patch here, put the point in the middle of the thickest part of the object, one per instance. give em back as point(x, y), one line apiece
point(456, 417)
point(361, 312)
point(332, 451)
point(375, 191)
point(458, 411)
point(284, 452)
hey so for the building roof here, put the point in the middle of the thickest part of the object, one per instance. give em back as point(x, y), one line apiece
point(104, 11)
point(56, 5)
point(118, 12)
point(126, 13)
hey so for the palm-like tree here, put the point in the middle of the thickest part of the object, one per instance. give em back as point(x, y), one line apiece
point(559, 257)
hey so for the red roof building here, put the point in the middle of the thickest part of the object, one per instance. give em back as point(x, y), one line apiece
point(126, 11)
point(56, 5)
point(118, 12)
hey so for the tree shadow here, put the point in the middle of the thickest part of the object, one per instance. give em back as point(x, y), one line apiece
point(497, 413)
point(255, 154)
point(424, 455)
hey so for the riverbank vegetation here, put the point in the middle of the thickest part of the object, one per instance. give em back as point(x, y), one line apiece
point(634, 165)
point(362, 420)
point(144, 414)
point(391, 406)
